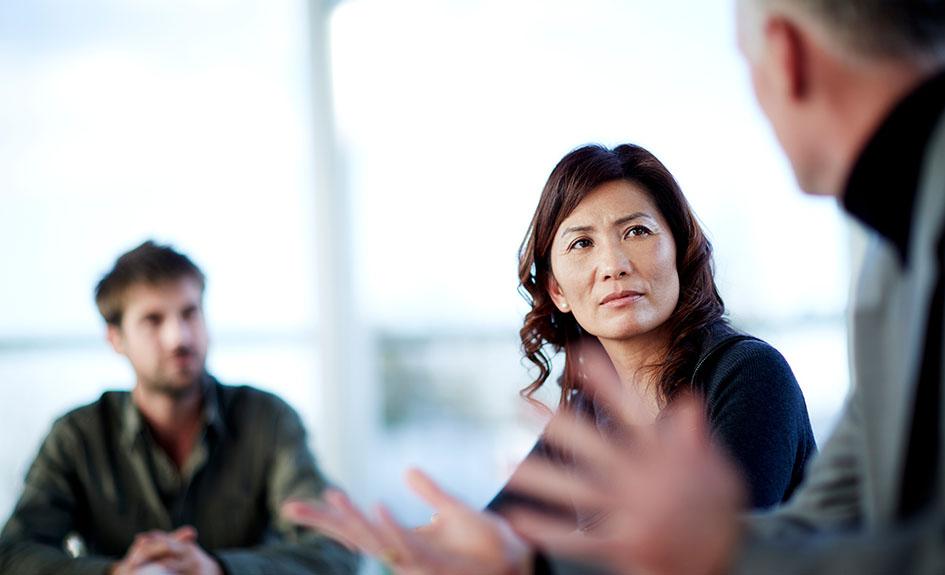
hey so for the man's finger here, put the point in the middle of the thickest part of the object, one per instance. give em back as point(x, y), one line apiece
point(429, 491)
point(556, 535)
point(357, 527)
point(174, 564)
point(565, 429)
point(402, 549)
point(145, 535)
point(431, 529)
point(551, 483)
point(308, 514)
point(320, 517)
point(154, 548)
point(156, 569)
point(185, 534)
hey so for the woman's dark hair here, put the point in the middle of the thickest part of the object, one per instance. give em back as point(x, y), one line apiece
point(699, 305)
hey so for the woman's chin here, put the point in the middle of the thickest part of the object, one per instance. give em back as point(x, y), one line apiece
point(629, 330)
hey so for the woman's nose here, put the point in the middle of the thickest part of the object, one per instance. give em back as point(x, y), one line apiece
point(615, 264)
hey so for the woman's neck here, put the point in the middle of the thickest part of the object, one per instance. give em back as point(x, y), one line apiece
point(633, 360)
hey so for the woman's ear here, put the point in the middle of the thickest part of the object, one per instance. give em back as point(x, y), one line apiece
point(554, 290)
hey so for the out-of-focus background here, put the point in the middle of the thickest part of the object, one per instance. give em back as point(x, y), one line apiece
point(355, 177)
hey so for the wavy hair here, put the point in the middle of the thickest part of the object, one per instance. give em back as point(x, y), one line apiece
point(699, 305)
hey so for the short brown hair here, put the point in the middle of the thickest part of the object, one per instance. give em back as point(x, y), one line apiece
point(150, 264)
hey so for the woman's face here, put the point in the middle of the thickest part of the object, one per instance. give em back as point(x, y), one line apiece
point(613, 263)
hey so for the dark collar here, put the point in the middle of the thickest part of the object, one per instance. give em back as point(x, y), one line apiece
point(133, 422)
point(882, 187)
point(212, 411)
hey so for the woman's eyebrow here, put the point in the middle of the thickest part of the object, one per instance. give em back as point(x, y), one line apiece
point(631, 217)
point(572, 229)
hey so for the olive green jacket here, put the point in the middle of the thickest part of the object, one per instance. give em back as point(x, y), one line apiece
point(100, 476)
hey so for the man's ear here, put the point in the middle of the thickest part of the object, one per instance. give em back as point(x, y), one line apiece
point(115, 338)
point(554, 290)
point(789, 54)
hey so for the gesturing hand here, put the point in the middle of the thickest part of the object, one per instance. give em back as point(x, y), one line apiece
point(461, 541)
point(670, 496)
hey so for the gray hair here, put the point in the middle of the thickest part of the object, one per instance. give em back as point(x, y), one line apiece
point(880, 28)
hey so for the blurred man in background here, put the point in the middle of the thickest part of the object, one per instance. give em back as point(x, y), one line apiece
point(180, 475)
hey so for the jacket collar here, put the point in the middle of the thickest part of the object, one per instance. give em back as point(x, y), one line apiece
point(133, 422)
point(882, 186)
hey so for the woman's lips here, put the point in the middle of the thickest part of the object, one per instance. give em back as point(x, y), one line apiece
point(620, 298)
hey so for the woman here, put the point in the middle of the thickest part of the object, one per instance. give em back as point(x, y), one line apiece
point(615, 257)
point(614, 262)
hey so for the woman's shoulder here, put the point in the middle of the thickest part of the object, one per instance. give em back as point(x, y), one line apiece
point(736, 362)
point(756, 409)
point(746, 380)
point(748, 352)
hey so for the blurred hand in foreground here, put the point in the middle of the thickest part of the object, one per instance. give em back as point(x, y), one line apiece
point(671, 498)
point(460, 540)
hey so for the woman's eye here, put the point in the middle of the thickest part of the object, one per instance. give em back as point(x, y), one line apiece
point(638, 231)
point(580, 244)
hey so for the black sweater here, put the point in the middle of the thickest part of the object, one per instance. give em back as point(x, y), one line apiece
point(755, 410)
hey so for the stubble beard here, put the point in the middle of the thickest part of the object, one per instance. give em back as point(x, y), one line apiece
point(177, 388)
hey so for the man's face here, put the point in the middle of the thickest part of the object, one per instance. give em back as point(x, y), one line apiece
point(163, 335)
